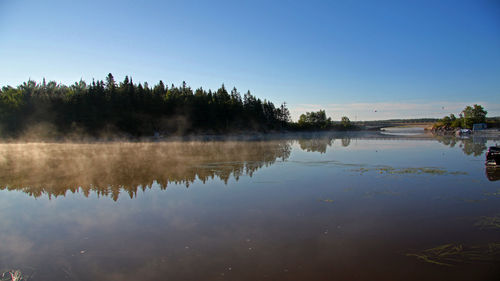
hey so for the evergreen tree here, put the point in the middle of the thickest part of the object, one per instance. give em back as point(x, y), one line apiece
point(134, 109)
point(110, 83)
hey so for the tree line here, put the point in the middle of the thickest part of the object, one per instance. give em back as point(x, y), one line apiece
point(466, 119)
point(134, 109)
point(319, 121)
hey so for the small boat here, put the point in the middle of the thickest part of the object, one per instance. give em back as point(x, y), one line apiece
point(493, 156)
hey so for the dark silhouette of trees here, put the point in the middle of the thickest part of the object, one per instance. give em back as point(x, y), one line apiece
point(315, 120)
point(345, 122)
point(134, 109)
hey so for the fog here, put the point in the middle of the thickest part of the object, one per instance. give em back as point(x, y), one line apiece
point(109, 168)
point(125, 167)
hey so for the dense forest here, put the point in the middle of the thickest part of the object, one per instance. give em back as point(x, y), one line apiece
point(132, 109)
point(108, 109)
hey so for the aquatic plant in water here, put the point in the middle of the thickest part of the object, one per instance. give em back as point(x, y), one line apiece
point(488, 222)
point(496, 193)
point(13, 275)
point(400, 171)
point(453, 254)
point(380, 192)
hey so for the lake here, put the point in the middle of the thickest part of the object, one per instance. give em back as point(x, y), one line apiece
point(299, 207)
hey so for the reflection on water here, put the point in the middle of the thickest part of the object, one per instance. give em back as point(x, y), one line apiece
point(314, 207)
point(316, 143)
point(403, 131)
point(493, 173)
point(108, 168)
point(470, 146)
point(346, 142)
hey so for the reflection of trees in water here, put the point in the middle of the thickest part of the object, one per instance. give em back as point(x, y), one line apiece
point(110, 168)
point(319, 143)
point(470, 146)
point(316, 144)
point(346, 142)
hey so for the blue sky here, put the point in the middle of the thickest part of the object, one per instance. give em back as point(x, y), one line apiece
point(402, 59)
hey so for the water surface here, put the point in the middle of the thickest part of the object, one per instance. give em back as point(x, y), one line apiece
point(315, 207)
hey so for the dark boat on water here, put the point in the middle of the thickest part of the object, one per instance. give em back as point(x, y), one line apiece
point(493, 156)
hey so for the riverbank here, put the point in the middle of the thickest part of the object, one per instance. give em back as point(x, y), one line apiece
point(409, 131)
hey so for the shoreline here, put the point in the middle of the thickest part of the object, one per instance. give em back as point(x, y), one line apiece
point(255, 136)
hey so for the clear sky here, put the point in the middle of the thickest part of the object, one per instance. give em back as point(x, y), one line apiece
point(363, 59)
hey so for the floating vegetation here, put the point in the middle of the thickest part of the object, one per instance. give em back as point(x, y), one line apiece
point(327, 162)
point(473, 200)
point(496, 193)
point(13, 275)
point(363, 168)
point(401, 171)
point(383, 192)
point(457, 173)
point(326, 200)
point(488, 222)
point(467, 200)
point(454, 254)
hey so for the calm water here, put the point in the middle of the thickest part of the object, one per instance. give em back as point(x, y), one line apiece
point(310, 208)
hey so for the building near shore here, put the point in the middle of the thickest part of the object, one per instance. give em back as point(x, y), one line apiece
point(479, 126)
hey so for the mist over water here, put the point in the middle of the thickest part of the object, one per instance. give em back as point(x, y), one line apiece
point(300, 207)
point(109, 168)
